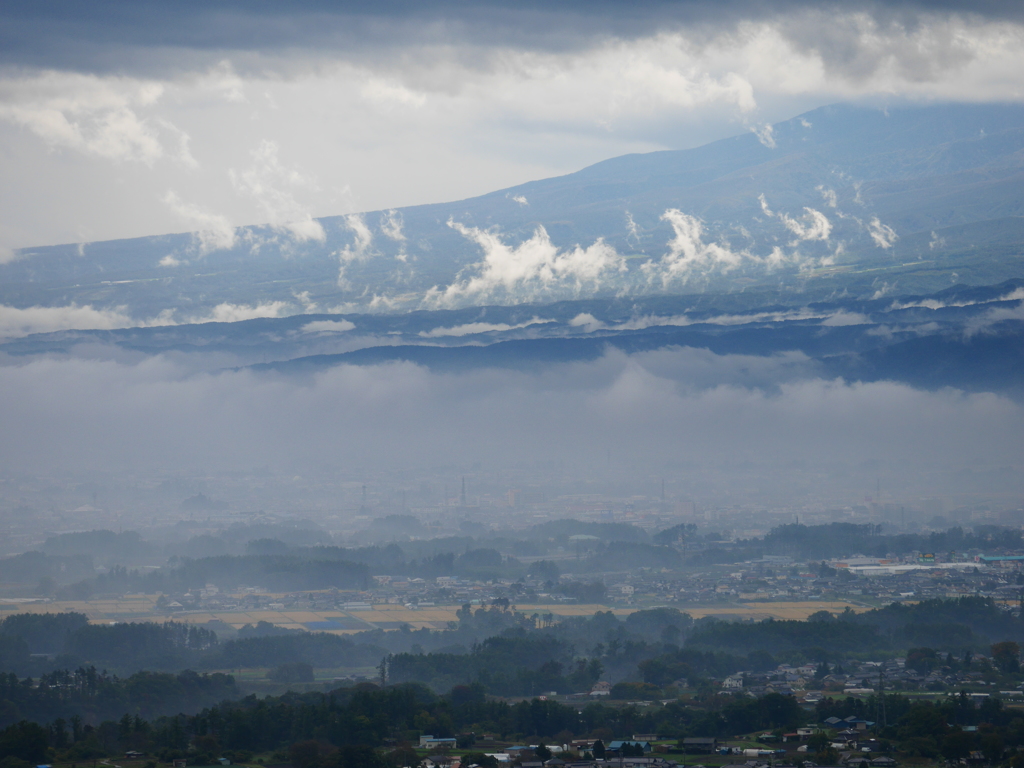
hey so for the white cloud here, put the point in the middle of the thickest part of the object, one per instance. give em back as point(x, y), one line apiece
point(89, 114)
point(632, 229)
point(846, 318)
point(765, 134)
point(22, 322)
point(303, 297)
point(828, 195)
point(883, 290)
point(391, 225)
point(274, 186)
point(215, 232)
point(534, 269)
point(1015, 295)
point(587, 322)
point(468, 329)
point(813, 225)
point(232, 313)
point(998, 314)
point(688, 254)
point(328, 326)
point(360, 249)
point(883, 235)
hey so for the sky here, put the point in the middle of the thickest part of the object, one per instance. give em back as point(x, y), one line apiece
point(122, 119)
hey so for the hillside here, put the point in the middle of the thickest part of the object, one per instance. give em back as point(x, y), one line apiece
point(843, 198)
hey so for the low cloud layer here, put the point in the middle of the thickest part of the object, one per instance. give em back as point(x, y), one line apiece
point(666, 407)
point(16, 322)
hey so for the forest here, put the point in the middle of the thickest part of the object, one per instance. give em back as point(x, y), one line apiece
point(378, 724)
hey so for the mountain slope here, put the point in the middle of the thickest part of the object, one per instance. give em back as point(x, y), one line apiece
point(842, 198)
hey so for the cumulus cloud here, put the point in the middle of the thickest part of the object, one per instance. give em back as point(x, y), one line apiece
point(632, 229)
point(215, 232)
point(765, 134)
point(534, 269)
point(688, 255)
point(587, 322)
point(360, 249)
point(813, 225)
point(883, 235)
point(274, 186)
point(391, 227)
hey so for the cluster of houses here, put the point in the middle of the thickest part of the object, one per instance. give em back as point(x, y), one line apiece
point(809, 684)
point(849, 737)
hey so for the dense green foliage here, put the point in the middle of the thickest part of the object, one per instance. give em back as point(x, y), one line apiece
point(367, 717)
point(94, 696)
point(948, 625)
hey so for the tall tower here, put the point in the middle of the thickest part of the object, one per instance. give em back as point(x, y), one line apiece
point(462, 496)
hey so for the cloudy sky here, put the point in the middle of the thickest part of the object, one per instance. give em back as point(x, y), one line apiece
point(122, 119)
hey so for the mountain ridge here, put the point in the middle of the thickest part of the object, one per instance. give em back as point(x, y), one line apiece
point(930, 194)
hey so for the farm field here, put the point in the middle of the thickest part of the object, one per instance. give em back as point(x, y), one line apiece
point(384, 616)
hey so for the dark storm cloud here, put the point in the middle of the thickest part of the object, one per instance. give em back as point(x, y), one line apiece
point(151, 35)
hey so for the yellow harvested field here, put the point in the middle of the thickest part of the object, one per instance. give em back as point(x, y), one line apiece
point(798, 611)
point(143, 608)
point(573, 610)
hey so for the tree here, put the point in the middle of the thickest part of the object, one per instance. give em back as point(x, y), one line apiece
point(24, 740)
point(818, 742)
point(598, 750)
point(956, 745)
point(922, 660)
point(304, 754)
point(827, 756)
point(992, 747)
point(1006, 656)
